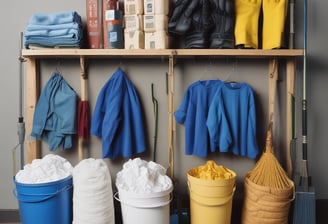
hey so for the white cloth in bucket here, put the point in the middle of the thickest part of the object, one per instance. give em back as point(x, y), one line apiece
point(93, 194)
point(50, 168)
point(144, 192)
point(140, 176)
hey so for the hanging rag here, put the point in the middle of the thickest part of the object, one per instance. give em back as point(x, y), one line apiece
point(117, 118)
point(235, 101)
point(193, 114)
point(54, 118)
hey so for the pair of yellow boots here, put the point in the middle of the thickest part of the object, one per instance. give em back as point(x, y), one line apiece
point(247, 20)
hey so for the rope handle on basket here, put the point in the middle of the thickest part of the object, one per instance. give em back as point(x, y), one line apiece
point(144, 206)
point(46, 196)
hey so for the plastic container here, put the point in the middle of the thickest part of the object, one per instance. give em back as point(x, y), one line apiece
point(210, 200)
point(146, 208)
point(49, 203)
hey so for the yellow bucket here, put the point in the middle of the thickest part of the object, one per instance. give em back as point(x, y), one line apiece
point(211, 200)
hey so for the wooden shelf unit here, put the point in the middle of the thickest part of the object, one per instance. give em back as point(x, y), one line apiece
point(32, 85)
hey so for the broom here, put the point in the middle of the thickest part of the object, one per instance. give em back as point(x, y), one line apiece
point(304, 208)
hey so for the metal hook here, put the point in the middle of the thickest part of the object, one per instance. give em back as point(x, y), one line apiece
point(58, 66)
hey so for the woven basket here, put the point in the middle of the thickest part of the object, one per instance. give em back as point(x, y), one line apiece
point(266, 205)
point(268, 190)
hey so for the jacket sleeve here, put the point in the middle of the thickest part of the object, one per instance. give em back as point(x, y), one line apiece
point(181, 114)
point(42, 108)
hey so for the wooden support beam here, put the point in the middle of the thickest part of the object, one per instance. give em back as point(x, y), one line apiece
point(32, 90)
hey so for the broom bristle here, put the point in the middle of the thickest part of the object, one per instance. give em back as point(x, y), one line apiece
point(304, 207)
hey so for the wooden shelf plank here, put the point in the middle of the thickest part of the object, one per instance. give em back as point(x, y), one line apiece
point(178, 53)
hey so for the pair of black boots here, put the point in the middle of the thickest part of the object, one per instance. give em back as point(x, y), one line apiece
point(204, 23)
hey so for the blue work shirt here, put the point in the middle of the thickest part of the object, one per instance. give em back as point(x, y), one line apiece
point(235, 101)
point(117, 118)
point(193, 114)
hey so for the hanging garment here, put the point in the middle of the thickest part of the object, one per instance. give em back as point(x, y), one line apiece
point(54, 118)
point(117, 118)
point(235, 101)
point(193, 114)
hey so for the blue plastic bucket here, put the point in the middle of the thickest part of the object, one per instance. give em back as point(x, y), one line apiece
point(46, 203)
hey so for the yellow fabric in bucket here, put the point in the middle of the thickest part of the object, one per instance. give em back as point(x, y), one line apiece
point(211, 190)
point(212, 171)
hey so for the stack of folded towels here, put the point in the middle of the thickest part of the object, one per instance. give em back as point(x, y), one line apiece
point(54, 30)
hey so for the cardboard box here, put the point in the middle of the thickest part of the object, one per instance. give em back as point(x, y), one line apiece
point(133, 22)
point(134, 39)
point(153, 23)
point(157, 40)
point(156, 7)
point(133, 7)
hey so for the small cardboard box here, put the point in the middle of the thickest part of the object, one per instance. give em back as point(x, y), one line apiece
point(134, 39)
point(133, 7)
point(133, 22)
point(156, 7)
point(153, 23)
point(157, 40)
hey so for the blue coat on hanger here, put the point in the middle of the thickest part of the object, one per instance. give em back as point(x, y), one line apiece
point(117, 118)
point(54, 118)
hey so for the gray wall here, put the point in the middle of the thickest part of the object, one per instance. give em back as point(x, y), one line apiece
point(142, 73)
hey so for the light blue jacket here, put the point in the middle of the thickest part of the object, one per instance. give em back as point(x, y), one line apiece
point(54, 118)
point(117, 118)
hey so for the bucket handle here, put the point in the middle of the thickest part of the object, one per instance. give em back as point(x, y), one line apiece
point(46, 196)
point(145, 206)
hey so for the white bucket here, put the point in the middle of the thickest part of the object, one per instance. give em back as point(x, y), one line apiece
point(145, 208)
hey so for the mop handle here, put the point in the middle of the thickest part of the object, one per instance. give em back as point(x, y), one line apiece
point(21, 60)
point(304, 101)
point(291, 23)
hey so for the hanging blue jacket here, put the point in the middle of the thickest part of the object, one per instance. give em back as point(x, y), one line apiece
point(54, 118)
point(117, 118)
point(193, 114)
point(235, 101)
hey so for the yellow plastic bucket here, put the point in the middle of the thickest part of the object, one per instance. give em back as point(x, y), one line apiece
point(211, 200)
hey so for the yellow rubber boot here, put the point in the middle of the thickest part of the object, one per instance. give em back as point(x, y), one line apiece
point(246, 22)
point(274, 14)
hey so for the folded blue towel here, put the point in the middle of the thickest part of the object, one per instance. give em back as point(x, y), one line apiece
point(55, 18)
point(53, 42)
point(34, 27)
point(64, 33)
